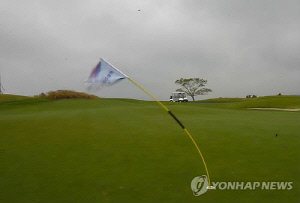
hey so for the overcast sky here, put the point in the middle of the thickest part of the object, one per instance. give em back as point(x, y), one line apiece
point(241, 47)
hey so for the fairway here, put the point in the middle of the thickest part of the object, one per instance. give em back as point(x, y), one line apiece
point(122, 150)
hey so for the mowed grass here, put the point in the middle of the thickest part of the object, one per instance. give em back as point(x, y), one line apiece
point(282, 101)
point(119, 150)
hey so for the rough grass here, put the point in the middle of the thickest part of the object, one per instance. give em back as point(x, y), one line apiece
point(115, 150)
point(66, 94)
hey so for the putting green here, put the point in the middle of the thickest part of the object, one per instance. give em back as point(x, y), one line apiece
point(120, 150)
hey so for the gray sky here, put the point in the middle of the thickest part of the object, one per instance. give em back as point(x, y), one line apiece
point(241, 47)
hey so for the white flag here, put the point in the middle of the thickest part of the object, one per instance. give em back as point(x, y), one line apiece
point(105, 74)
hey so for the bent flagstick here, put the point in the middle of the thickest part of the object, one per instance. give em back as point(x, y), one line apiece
point(106, 74)
point(178, 121)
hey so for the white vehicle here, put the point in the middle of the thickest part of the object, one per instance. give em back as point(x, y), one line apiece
point(178, 97)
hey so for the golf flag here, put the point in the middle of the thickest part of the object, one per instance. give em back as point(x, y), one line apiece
point(105, 74)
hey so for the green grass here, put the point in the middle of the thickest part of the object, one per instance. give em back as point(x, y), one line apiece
point(10, 97)
point(222, 100)
point(122, 150)
point(259, 102)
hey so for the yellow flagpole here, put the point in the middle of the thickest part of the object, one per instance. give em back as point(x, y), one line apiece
point(185, 130)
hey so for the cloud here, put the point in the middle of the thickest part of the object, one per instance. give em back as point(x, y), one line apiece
point(241, 47)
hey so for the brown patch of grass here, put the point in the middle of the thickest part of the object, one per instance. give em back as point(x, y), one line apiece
point(66, 94)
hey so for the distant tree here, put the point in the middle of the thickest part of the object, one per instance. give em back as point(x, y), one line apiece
point(192, 86)
point(279, 94)
point(254, 96)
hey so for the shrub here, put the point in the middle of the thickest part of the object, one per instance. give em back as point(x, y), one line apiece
point(66, 94)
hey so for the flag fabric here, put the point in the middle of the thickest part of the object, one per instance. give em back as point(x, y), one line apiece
point(105, 74)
